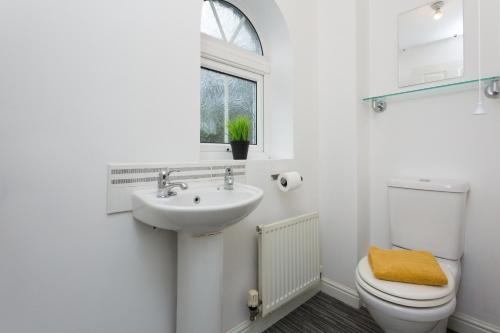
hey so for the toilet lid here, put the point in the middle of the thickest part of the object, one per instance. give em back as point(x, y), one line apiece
point(407, 291)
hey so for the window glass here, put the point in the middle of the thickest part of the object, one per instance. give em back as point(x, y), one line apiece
point(247, 40)
point(222, 20)
point(224, 97)
point(208, 22)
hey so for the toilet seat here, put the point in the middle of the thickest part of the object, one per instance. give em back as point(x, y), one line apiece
point(406, 294)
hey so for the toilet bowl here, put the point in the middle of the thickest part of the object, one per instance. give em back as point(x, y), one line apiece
point(408, 308)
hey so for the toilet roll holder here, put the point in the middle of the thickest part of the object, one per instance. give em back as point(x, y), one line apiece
point(276, 175)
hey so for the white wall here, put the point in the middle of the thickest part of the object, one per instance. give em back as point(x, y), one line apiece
point(436, 136)
point(343, 139)
point(87, 83)
point(363, 126)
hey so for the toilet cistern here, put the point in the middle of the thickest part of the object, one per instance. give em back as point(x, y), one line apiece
point(165, 187)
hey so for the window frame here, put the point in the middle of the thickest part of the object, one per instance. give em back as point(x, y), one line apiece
point(244, 74)
point(222, 56)
point(218, 50)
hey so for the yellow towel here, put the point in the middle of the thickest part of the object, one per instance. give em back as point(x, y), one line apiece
point(417, 267)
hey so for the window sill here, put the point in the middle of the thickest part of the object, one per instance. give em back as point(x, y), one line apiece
point(228, 156)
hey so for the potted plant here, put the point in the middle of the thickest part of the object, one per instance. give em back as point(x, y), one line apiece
point(239, 132)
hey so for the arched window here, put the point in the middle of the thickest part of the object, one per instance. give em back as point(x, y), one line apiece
point(224, 21)
point(233, 70)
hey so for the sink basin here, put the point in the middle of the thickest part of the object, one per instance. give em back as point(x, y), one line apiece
point(202, 208)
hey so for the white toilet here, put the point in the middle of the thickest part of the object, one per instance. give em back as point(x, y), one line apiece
point(424, 215)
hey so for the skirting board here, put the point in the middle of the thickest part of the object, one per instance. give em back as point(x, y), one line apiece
point(338, 291)
point(462, 323)
point(261, 324)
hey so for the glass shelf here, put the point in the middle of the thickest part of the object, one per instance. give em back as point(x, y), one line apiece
point(379, 102)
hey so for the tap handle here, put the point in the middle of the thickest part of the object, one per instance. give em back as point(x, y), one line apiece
point(164, 176)
point(228, 178)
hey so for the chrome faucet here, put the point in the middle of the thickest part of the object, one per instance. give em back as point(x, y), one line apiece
point(228, 179)
point(165, 187)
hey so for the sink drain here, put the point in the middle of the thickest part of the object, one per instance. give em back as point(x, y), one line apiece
point(197, 200)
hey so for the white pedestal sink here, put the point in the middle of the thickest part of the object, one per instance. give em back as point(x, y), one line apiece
point(198, 214)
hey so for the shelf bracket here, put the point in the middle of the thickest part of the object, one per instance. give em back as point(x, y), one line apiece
point(492, 90)
point(379, 105)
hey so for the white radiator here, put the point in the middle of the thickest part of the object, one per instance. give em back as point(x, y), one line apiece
point(289, 260)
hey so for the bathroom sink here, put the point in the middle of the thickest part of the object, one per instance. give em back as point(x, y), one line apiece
point(198, 213)
point(201, 209)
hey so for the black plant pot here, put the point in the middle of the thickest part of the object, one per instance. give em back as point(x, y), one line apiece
point(240, 149)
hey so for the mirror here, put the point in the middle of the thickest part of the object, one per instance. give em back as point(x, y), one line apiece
point(431, 43)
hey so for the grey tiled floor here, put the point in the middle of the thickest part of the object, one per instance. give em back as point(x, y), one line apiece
point(325, 314)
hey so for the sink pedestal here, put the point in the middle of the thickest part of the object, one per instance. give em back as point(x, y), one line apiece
point(199, 283)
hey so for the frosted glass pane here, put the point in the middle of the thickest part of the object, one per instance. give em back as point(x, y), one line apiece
point(229, 17)
point(208, 23)
point(212, 107)
point(247, 39)
point(237, 28)
point(218, 92)
point(242, 102)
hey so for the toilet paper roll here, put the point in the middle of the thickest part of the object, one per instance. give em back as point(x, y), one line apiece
point(289, 181)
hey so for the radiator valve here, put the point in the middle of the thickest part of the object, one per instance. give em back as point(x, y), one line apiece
point(253, 303)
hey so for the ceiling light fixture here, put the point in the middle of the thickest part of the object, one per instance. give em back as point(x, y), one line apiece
point(438, 13)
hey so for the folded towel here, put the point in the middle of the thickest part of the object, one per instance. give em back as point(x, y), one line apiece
point(417, 267)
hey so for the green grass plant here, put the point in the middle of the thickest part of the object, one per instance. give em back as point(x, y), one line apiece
point(239, 128)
